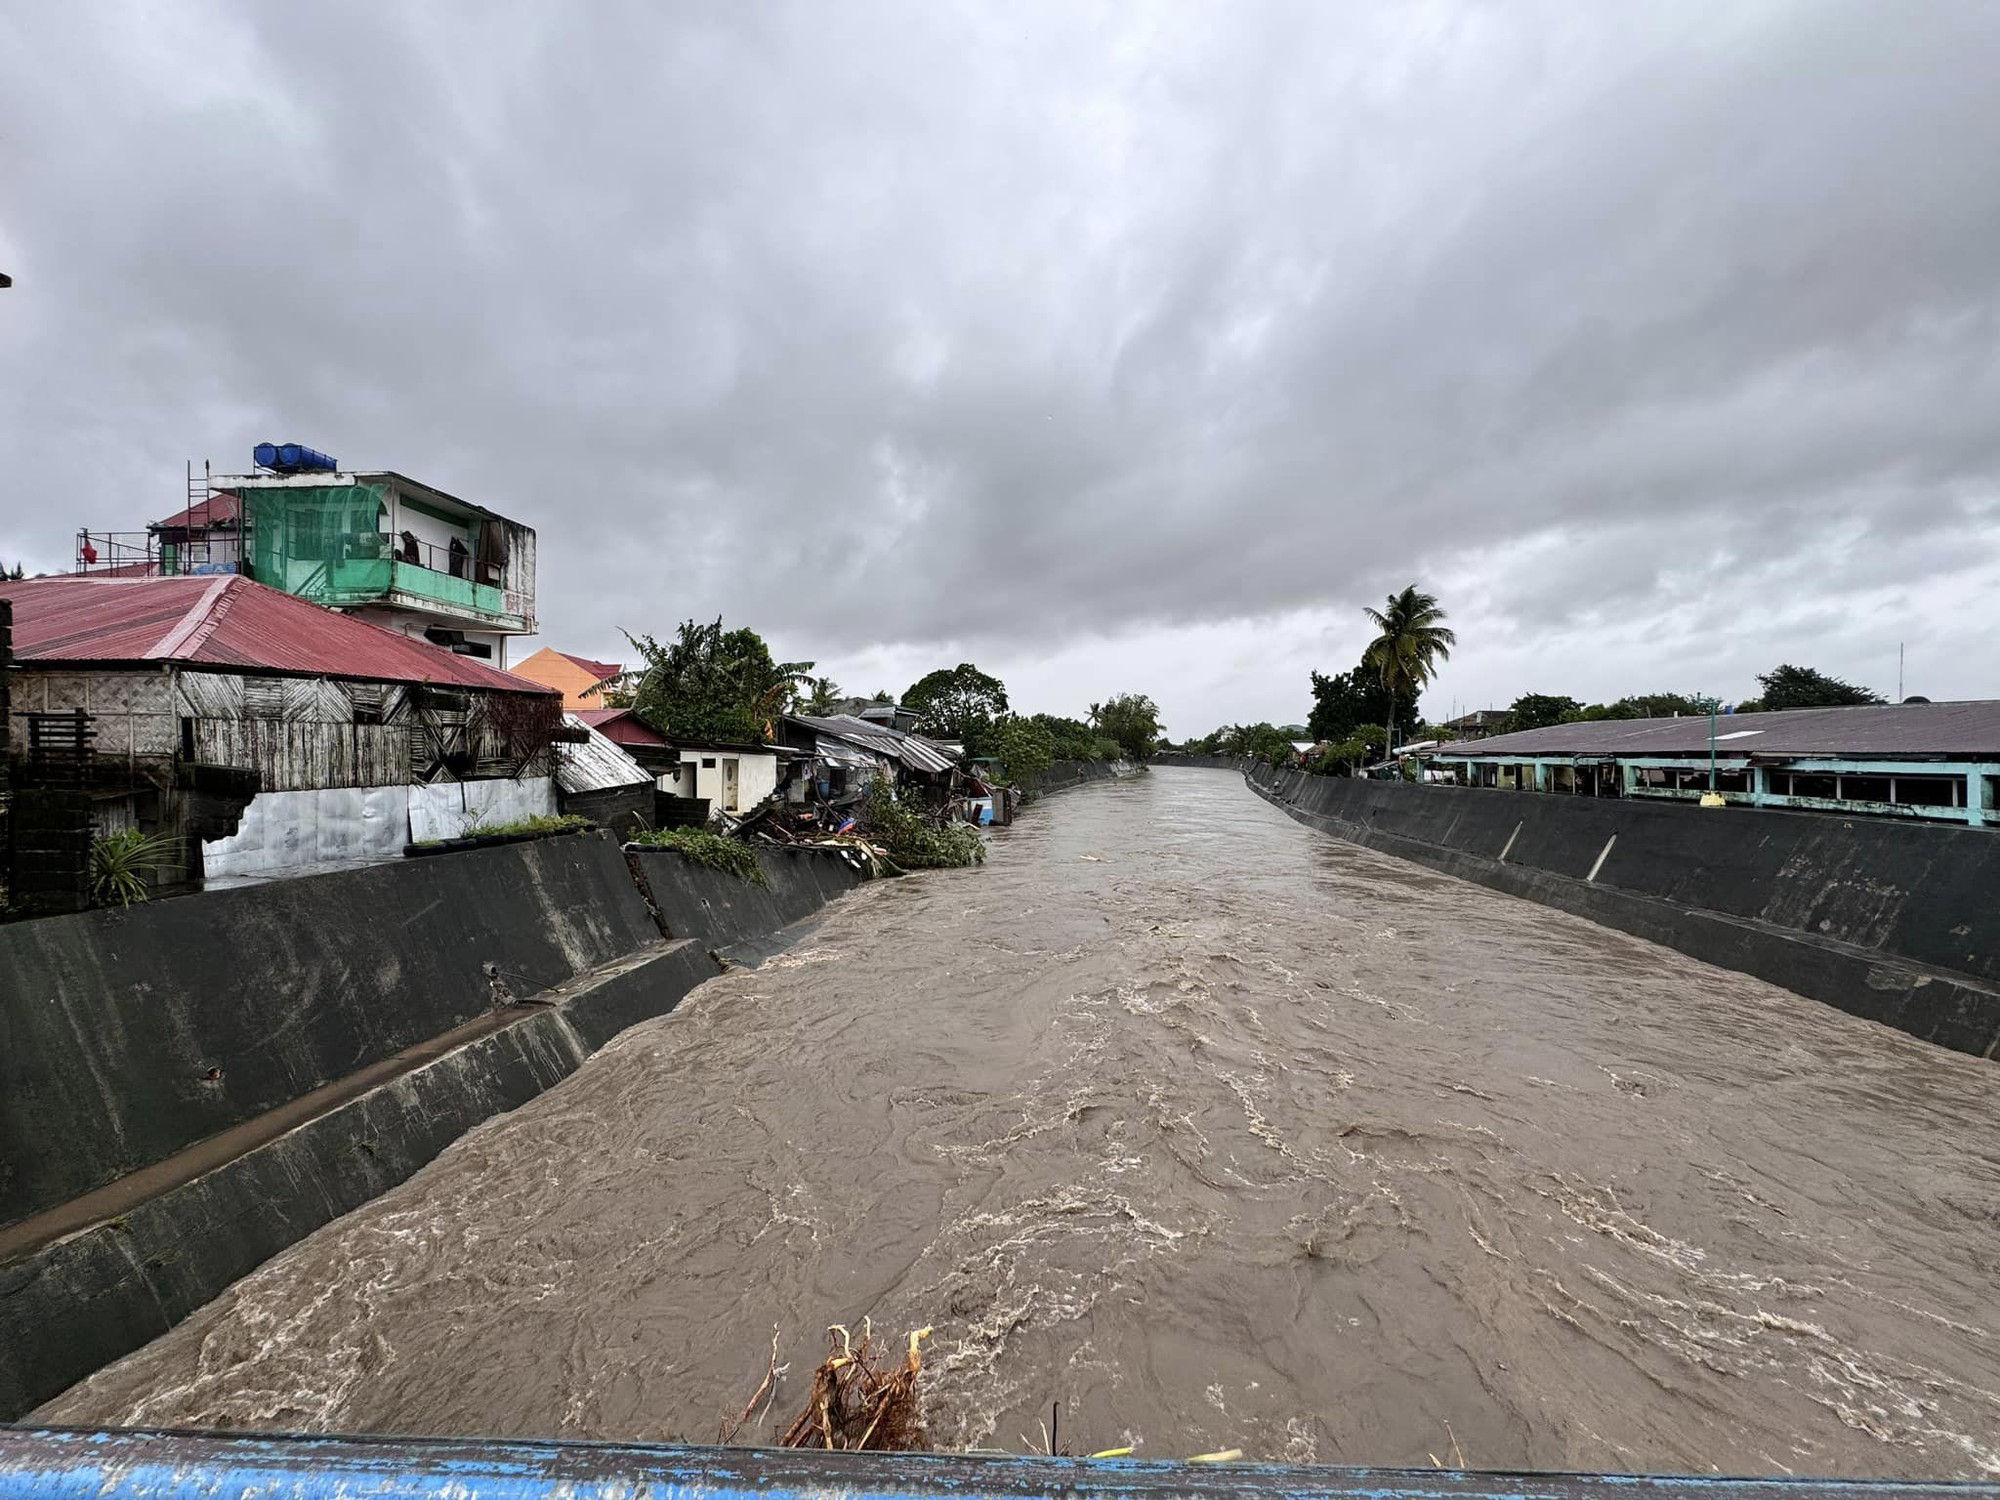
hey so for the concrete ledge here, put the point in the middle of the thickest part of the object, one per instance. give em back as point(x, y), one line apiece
point(74, 1305)
point(1938, 1005)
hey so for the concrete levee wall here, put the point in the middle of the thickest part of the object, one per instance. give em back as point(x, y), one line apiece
point(88, 1298)
point(1064, 774)
point(1896, 922)
point(722, 909)
point(127, 1034)
point(70, 1301)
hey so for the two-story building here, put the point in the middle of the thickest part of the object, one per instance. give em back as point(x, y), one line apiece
point(371, 543)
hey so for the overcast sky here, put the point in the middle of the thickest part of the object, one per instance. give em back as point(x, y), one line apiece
point(1111, 347)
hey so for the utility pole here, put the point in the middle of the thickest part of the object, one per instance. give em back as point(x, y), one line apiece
point(1899, 671)
point(1712, 797)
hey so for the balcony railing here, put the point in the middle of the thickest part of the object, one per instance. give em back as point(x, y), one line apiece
point(362, 569)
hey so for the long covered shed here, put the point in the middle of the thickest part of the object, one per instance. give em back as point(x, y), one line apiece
point(1935, 761)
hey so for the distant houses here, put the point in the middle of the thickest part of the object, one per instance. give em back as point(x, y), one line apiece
point(306, 666)
point(1478, 724)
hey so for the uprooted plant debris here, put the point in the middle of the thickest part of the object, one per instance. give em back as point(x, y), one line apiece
point(861, 1396)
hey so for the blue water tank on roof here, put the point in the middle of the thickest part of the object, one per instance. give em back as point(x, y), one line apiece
point(292, 458)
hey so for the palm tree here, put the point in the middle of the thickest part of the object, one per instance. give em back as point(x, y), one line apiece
point(1412, 638)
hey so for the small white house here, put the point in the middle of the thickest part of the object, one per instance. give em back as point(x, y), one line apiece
point(734, 778)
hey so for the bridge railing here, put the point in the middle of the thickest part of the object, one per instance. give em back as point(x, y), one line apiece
point(69, 1464)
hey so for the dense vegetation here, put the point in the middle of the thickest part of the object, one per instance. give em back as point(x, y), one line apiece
point(1784, 686)
point(711, 685)
point(958, 703)
point(1787, 686)
point(915, 840)
point(724, 686)
point(1131, 721)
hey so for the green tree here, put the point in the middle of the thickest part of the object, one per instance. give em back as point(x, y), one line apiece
point(1131, 719)
point(1267, 742)
point(1069, 739)
point(1343, 758)
point(1345, 701)
point(1645, 706)
point(1411, 640)
point(1023, 746)
point(958, 703)
point(1801, 687)
point(1540, 710)
point(819, 696)
point(712, 684)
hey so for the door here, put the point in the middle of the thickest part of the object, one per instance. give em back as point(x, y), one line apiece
point(730, 783)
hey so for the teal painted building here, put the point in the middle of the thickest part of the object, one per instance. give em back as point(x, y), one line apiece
point(1933, 762)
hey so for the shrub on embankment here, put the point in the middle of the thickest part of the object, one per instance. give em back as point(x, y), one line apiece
point(712, 850)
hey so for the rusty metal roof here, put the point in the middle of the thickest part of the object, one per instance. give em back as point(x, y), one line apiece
point(219, 509)
point(623, 727)
point(916, 753)
point(228, 622)
point(1958, 731)
point(603, 671)
point(597, 764)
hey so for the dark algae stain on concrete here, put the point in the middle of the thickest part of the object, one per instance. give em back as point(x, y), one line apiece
point(1219, 1132)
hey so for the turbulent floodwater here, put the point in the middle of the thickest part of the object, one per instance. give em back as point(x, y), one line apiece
point(1216, 1131)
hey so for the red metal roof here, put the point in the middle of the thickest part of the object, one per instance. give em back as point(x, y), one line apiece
point(603, 671)
point(221, 509)
point(621, 726)
point(225, 621)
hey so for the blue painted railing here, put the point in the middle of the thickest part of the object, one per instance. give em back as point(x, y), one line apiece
point(71, 1464)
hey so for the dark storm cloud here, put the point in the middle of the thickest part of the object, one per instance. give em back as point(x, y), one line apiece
point(907, 323)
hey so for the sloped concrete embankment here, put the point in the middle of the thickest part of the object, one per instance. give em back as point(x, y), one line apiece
point(1893, 922)
point(194, 1085)
point(1064, 774)
point(1202, 762)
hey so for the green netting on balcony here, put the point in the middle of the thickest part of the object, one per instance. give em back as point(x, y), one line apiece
point(323, 543)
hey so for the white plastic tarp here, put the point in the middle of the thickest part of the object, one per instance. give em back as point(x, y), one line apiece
point(295, 833)
point(453, 809)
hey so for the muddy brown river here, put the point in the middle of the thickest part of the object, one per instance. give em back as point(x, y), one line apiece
point(1214, 1131)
